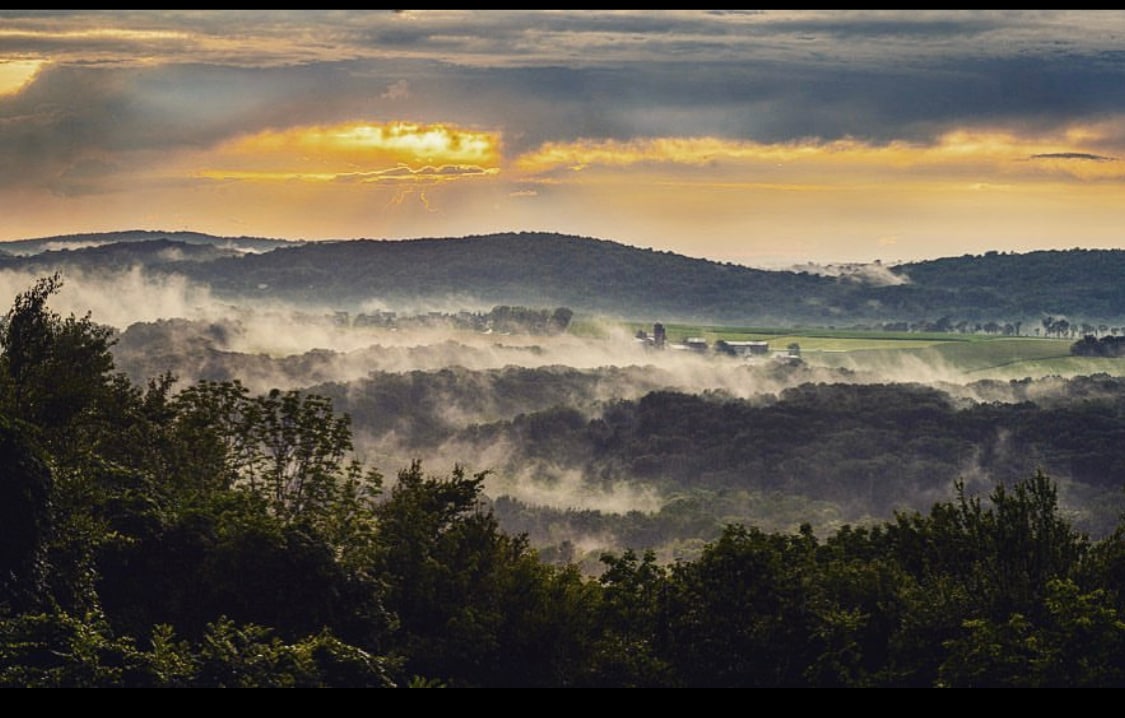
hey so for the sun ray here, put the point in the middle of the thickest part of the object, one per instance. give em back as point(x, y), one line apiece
point(358, 152)
point(17, 74)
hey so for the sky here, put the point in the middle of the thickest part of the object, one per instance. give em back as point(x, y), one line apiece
point(764, 138)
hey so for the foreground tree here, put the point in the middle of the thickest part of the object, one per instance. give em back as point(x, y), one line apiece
point(55, 372)
point(476, 606)
point(25, 519)
point(134, 508)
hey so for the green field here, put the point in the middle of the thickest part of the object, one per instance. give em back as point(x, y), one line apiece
point(972, 356)
point(987, 358)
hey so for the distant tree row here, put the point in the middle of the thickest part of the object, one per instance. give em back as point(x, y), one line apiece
point(501, 319)
point(506, 319)
point(1107, 346)
point(1050, 327)
point(947, 325)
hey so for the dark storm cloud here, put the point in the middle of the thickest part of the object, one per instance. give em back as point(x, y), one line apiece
point(921, 25)
point(772, 102)
point(1072, 156)
point(72, 114)
point(863, 76)
point(192, 78)
point(96, 50)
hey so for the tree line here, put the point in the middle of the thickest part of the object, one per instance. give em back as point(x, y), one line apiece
point(868, 449)
point(1091, 346)
point(205, 536)
point(502, 319)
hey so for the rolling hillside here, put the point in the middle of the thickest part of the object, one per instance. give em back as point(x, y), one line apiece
point(600, 276)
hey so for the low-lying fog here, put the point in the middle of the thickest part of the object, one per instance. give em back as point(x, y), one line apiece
point(414, 387)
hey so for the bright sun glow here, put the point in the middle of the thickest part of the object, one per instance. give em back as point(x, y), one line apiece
point(14, 76)
point(95, 33)
point(359, 152)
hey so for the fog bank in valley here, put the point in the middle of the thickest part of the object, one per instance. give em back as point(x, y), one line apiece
point(527, 408)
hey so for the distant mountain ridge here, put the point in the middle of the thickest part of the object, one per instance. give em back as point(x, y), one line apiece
point(76, 242)
point(600, 276)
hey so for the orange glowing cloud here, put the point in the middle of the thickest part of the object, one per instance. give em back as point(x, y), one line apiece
point(93, 33)
point(16, 75)
point(956, 154)
point(358, 152)
point(583, 154)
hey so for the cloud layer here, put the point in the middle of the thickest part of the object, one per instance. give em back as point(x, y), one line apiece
point(750, 136)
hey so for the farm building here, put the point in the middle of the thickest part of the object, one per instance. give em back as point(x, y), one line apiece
point(756, 348)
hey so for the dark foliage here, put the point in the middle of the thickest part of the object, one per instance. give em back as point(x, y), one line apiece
point(211, 537)
point(870, 449)
point(1107, 346)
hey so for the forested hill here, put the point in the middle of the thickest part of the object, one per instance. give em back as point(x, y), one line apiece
point(525, 269)
point(602, 276)
point(70, 242)
point(1082, 283)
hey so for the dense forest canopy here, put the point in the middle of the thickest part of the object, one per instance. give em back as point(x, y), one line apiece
point(631, 430)
point(164, 533)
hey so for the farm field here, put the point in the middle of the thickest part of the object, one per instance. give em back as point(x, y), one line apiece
point(966, 357)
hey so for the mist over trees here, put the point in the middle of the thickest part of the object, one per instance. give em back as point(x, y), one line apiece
point(599, 276)
point(186, 504)
point(207, 536)
point(770, 443)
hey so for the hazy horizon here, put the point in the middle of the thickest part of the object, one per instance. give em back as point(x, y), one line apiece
point(872, 269)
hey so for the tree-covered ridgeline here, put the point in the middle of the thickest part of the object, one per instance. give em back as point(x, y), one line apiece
point(1049, 293)
point(160, 535)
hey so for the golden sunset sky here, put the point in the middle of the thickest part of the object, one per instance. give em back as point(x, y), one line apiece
point(765, 138)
